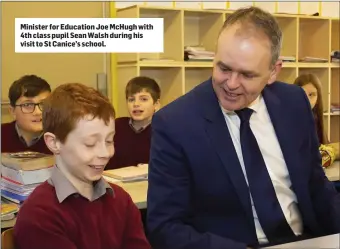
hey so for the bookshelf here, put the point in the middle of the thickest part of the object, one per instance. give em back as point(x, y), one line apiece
point(302, 36)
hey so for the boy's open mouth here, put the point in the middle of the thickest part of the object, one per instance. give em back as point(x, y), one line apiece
point(137, 112)
point(37, 120)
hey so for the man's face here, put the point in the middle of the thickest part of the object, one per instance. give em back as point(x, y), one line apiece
point(242, 67)
point(88, 148)
point(29, 116)
point(141, 106)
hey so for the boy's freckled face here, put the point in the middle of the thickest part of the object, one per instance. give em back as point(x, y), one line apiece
point(88, 148)
point(141, 106)
point(29, 122)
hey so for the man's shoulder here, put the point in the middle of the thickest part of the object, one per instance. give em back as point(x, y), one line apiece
point(185, 104)
point(283, 88)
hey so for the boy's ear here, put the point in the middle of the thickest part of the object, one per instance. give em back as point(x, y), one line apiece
point(52, 143)
point(157, 105)
point(11, 111)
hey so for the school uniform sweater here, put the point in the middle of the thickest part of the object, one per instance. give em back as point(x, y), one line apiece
point(131, 147)
point(109, 222)
point(12, 142)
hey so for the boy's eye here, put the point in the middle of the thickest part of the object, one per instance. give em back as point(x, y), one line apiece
point(28, 105)
point(131, 100)
point(145, 99)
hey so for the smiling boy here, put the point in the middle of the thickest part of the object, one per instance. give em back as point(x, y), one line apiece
point(76, 208)
point(133, 134)
point(25, 132)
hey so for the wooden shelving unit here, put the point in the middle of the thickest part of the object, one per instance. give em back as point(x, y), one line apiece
point(302, 36)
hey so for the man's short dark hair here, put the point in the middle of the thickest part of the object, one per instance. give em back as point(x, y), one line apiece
point(140, 83)
point(28, 86)
point(262, 21)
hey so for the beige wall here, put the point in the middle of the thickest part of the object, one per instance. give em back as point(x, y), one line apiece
point(328, 9)
point(55, 68)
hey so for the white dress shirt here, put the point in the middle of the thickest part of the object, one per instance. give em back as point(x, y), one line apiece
point(265, 135)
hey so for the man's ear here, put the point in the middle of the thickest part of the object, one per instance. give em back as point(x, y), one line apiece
point(275, 72)
point(157, 105)
point(52, 143)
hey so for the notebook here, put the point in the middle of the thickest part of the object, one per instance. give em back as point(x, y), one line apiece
point(131, 173)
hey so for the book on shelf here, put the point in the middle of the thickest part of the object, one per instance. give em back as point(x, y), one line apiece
point(313, 59)
point(287, 58)
point(130, 173)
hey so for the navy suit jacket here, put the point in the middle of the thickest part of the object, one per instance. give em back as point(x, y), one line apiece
point(198, 197)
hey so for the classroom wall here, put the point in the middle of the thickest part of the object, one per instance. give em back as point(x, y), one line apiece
point(62, 68)
point(55, 68)
point(327, 9)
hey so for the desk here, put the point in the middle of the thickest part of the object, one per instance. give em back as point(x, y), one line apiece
point(137, 191)
point(333, 171)
point(331, 241)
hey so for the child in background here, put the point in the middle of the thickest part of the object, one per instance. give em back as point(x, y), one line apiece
point(25, 132)
point(76, 208)
point(312, 86)
point(133, 134)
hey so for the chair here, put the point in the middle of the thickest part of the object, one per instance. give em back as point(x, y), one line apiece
point(7, 241)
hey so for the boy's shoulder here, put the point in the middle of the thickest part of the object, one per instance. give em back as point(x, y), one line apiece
point(8, 126)
point(121, 195)
point(44, 191)
point(122, 122)
point(34, 208)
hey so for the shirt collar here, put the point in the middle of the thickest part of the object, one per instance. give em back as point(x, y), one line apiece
point(34, 139)
point(255, 105)
point(140, 129)
point(64, 187)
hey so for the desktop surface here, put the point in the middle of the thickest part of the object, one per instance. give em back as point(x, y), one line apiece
point(330, 241)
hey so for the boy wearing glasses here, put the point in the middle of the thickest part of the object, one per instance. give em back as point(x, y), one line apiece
point(25, 132)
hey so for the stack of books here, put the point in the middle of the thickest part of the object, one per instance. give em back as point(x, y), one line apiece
point(8, 210)
point(335, 56)
point(22, 172)
point(198, 53)
point(127, 174)
point(335, 108)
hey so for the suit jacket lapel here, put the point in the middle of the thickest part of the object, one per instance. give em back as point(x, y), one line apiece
point(219, 135)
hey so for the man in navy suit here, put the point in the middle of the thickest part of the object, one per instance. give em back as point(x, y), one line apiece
point(234, 163)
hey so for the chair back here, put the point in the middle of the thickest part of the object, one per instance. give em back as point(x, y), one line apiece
point(7, 240)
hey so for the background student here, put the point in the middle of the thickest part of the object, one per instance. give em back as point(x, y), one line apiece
point(310, 83)
point(25, 132)
point(76, 208)
point(133, 134)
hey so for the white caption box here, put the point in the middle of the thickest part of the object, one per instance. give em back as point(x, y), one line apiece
point(89, 35)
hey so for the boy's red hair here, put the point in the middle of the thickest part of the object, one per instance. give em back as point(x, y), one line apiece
point(69, 103)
